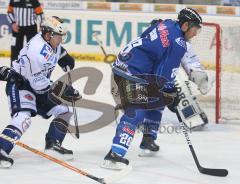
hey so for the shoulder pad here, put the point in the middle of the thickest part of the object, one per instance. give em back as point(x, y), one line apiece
point(181, 42)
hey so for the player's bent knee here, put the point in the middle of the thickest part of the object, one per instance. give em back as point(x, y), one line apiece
point(61, 123)
point(66, 116)
point(58, 110)
point(21, 120)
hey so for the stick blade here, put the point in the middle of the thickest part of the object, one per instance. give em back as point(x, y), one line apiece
point(214, 172)
point(77, 135)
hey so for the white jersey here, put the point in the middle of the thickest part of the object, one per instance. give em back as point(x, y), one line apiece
point(190, 60)
point(36, 61)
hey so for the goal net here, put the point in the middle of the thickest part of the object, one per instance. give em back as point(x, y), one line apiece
point(218, 48)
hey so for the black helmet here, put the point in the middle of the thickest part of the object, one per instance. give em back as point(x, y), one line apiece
point(189, 15)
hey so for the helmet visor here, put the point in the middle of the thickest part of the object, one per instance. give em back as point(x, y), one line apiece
point(63, 36)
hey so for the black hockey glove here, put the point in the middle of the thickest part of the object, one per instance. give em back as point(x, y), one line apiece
point(66, 61)
point(172, 99)
point(10, 75)
point(70, 94)
point(64, 91)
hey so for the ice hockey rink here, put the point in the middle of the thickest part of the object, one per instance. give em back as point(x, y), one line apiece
point(216, 147)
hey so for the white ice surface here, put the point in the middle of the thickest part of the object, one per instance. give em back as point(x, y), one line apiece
point(217, 147)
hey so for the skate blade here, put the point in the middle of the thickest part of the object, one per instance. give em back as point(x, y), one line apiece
point(5, 164)
point(65, 157)
point(107, 164)
point(147, 153)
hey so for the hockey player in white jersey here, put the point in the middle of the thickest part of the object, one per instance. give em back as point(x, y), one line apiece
point(35, 63)
point(150, 126)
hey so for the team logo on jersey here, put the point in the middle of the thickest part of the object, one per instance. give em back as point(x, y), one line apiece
point(180, 41)
point(128, 130)
point(39, 79)
point(161, 26)
point(164, 35)
point(28, 97)
point(48, 54)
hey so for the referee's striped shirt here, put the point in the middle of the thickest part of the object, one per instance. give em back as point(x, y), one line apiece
point(25, 12)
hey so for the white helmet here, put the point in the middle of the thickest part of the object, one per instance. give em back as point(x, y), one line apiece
point(54, 25)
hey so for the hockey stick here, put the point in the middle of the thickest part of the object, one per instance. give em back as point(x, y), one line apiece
point(203, 170)
point(119, 175)
point(108, 58)
point(73, 104)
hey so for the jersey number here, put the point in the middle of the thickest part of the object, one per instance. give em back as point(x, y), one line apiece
point(132, 44)
point(125, 139)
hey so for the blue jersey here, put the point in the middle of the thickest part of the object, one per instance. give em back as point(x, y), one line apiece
point(158, 51)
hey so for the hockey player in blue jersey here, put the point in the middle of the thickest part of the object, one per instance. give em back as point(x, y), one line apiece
point(150, 126)
point(196, 73)
point(144, 73)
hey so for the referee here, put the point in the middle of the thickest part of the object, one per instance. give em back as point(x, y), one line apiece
point(23, 15)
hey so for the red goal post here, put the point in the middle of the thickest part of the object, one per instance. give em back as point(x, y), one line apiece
point(218, 69)
point(211, 35)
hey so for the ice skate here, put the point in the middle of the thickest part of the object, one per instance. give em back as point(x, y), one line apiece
point(148, 147)
point(114, 161)
point(54, 148)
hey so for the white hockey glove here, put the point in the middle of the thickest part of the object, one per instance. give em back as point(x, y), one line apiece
point(200, 78)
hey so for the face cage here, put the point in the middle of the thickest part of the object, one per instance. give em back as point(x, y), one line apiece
point(193, 24)
point(64, 36)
